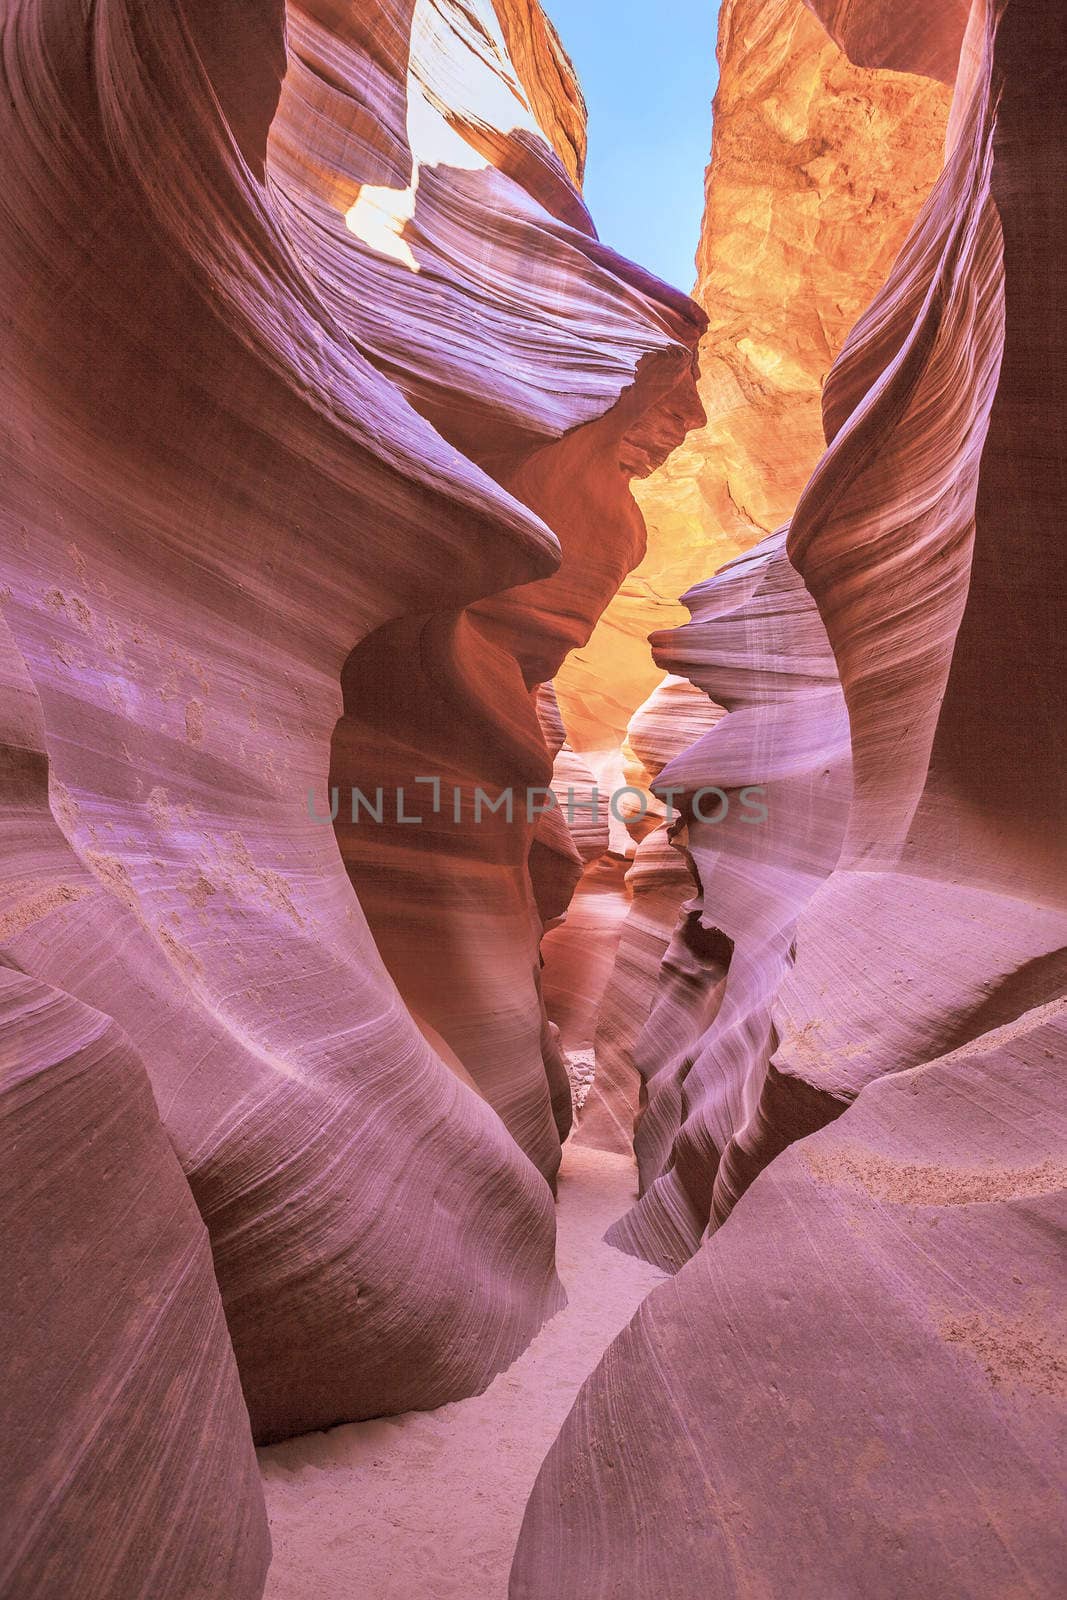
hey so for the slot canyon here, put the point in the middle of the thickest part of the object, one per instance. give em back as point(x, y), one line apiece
point(533, 812)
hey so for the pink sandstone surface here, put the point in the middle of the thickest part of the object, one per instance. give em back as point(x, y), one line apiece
point(818, 169)
point(275, 427)
point(859, 1386)
point(857, 1160)
point(337, 454)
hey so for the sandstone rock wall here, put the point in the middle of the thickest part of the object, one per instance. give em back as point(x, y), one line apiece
point(818, 168)
point(856, 1383)
point(127, 1458)
point(858, 1387)
point(893, 795)
point(315, 383)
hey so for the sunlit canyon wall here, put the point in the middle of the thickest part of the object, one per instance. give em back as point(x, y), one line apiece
point(817, 172)
point(855, 1383)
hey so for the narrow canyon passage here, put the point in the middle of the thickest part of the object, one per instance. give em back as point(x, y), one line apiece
point(533, 911)
point(429, 1504)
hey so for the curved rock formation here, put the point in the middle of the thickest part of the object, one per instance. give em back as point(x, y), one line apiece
point(958, 819)
point(607, 384)
point(282, 408)
point(907, 403)
point(116, 1350)
point(764, 797)
point(321, 403)
point(818, 168)
point(856, 1384)
point(112, 1321)
point(551, 84)
point(655, 980)
point(859, 1387)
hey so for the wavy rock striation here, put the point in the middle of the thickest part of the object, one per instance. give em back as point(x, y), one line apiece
point(868, 1318)
point(859, 1386)
point(319, 379)
point(656, 980)
point(776, 779)
point(818, 168)
point(112, 1323)
point(898, 837)
point(113, 1318)
point(563, 421)
point(321, 404)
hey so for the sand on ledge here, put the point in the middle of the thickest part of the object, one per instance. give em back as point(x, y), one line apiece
point(428, 1505)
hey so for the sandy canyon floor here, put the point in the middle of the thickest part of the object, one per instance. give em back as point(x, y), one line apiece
point(427, 1506)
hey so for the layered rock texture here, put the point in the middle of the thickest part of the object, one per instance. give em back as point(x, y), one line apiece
point(127, 1459)
point(320, 401)
point(851, 1128)
point(320, 405)
point(818, 169)
point(859, 1387)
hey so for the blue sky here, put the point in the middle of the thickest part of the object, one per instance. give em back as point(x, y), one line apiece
point(648, 72)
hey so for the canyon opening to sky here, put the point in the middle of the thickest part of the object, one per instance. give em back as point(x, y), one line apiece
point(533, 800)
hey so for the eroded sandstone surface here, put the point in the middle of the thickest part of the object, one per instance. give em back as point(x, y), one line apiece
point(818, 168)
point(345, 474)
point(320, 401)
point(855, 1384)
